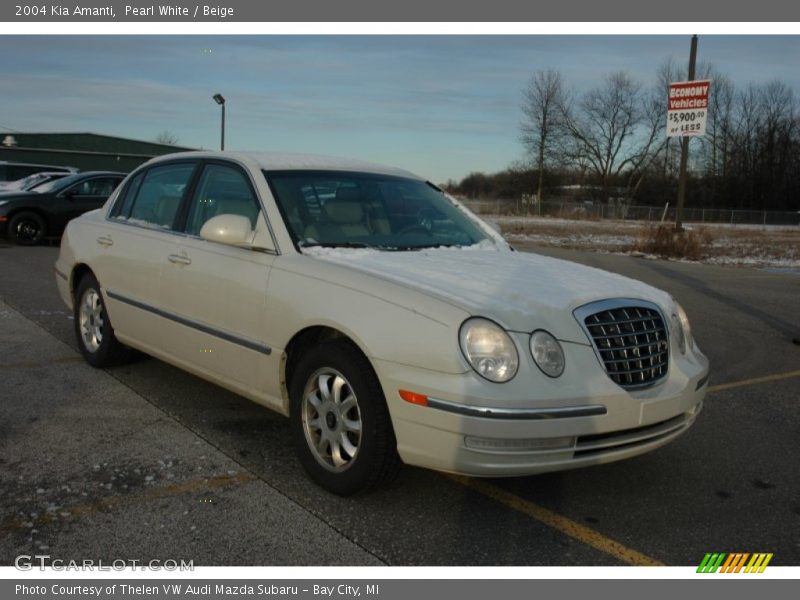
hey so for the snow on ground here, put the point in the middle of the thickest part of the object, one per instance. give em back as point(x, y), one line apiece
point(771, 246)
point(572, 240)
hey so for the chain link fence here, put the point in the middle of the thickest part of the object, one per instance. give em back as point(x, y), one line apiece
point(594, 211)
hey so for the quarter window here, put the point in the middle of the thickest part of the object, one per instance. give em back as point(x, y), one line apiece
point(222, 190)
point(122, 206)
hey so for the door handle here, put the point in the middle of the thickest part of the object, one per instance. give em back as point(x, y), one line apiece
point(179, 259)
point(106, 241)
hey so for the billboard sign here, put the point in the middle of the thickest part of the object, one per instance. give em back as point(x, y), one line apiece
point(687, 108)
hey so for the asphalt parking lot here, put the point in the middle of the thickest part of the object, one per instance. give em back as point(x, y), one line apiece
point(145, 461)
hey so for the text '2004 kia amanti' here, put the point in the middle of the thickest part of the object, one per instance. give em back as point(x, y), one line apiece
point(382, 317)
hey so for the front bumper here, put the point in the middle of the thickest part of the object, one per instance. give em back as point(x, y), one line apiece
point(473, 427)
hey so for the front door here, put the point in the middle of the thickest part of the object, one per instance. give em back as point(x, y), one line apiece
point(219, 291)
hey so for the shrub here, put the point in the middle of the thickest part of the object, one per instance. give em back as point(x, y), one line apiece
point(666, 242)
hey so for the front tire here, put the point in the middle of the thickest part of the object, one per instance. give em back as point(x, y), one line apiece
point(26, 229)
point(340, 423)
point(93, 330)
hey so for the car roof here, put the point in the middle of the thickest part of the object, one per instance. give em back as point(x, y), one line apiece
point(93, 173)
point(287, 161)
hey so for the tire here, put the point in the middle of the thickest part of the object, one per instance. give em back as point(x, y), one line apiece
point(93, 330)
point(341, 427)
point(26, 229)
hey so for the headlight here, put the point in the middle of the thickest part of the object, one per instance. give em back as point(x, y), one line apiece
point(547, 353)
point(489, 350)
point(681, 328)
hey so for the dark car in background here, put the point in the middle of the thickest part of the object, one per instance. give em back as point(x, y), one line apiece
point(27, 217)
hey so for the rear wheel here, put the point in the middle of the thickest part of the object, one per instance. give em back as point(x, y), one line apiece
point(93, 330)
point(340, 423)
point(26, 228)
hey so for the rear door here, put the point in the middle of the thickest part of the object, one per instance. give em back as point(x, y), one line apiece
point(134, 243)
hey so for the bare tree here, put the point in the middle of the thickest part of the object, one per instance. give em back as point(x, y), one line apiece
point(167, 137)
point(668, 73)
point(541, 126)
point(652, 142)
point(606, 132)
point(719, 128)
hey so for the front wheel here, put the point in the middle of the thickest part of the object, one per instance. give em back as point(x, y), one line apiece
point(26, 229)
point(340, 423)
point(93, 330)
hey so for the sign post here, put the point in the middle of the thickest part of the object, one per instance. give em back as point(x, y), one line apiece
point(687, 112)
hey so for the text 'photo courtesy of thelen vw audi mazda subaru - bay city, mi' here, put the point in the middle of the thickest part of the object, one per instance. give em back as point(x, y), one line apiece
point(382, 317)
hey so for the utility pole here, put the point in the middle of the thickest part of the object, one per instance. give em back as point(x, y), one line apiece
point(685, 148)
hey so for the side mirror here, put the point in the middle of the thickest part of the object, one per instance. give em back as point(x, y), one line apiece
point(233, 230)
point(70, 194)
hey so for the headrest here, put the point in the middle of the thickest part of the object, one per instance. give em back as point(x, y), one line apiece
point(343, 212)
point(348, 194)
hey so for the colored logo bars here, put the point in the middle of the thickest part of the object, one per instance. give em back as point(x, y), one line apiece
point(734, 562)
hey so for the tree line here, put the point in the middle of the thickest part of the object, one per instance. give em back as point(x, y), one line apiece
point(611, 140)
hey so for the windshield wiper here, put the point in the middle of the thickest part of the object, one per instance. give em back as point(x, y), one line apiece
point(304, 244)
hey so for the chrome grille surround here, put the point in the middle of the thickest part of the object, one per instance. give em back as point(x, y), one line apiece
point(630, 338)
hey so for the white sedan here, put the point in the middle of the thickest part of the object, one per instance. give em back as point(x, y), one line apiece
point(382, 317)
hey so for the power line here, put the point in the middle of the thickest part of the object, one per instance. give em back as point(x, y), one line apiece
point(9, 129)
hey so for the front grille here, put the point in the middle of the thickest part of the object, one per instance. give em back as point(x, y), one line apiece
point(630, 338)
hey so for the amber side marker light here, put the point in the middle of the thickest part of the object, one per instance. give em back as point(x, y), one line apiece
point(414, 398)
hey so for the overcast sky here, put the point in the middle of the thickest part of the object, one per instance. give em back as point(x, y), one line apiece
point(439, 106)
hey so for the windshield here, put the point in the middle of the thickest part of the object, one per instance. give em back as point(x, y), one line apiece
point(40, 179)
point(56, 185)
point(344, 209)
point(24, 183)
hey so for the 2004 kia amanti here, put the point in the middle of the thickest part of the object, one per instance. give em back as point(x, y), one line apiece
point(389, 323)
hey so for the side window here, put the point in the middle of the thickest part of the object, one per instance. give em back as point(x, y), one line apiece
point(99, 186)
point(158, 196)
point(221, 190)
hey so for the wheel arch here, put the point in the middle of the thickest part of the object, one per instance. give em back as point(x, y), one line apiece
point(303, 340)
point(79, 271)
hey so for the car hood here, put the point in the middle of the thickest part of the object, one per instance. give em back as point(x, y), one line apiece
point(520, 290)
point(17, 195)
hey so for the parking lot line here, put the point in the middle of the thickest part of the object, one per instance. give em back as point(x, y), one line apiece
point(558, 522)
point(753, 381)
point(123, 501)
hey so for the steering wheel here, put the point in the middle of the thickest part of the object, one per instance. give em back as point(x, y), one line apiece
point(414, 227)
point(424, 224)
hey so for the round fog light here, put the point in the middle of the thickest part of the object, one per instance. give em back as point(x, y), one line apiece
point(547, 353)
